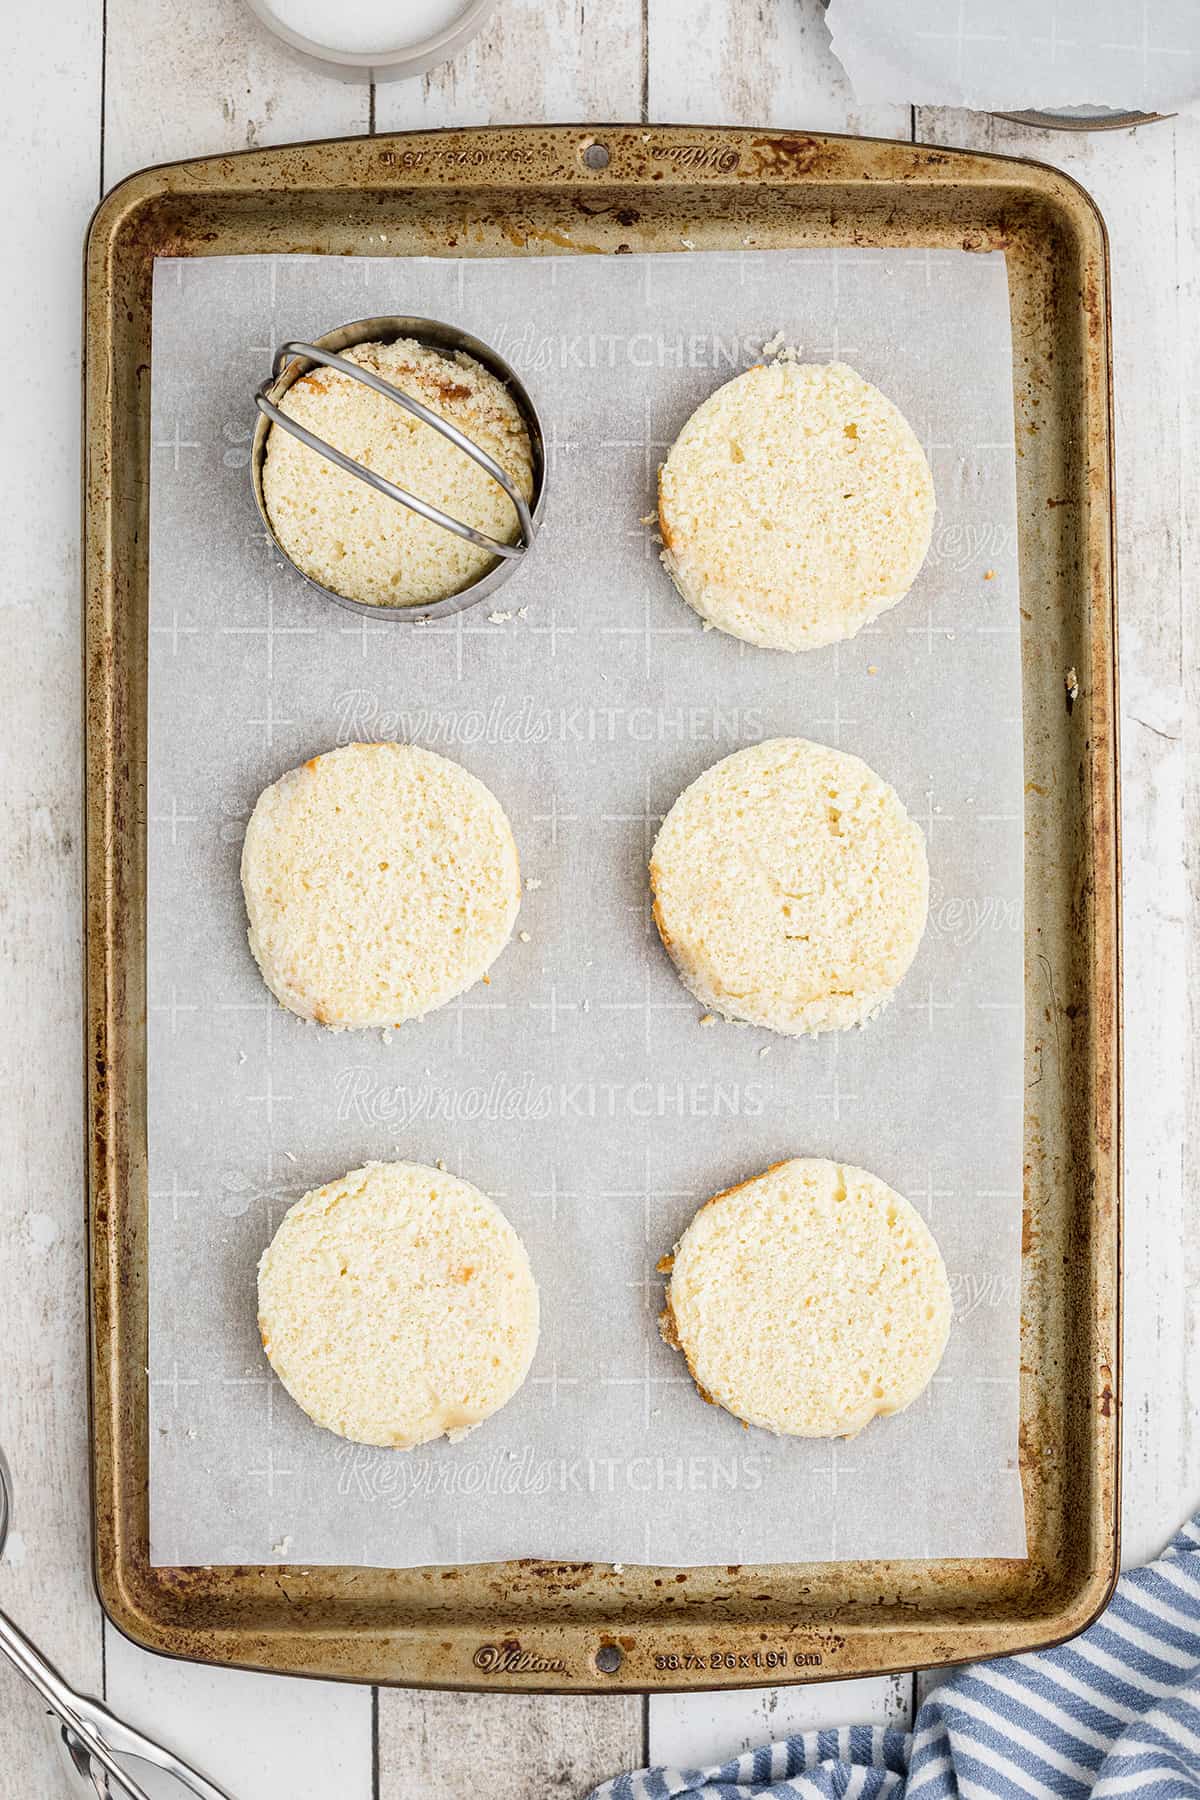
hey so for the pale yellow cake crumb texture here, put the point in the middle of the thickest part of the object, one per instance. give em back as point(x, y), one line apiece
point(359, 542)
point(809, 1300)
point(790, 887)
point(381, 881)
point(795, 506)
point(397, 1305)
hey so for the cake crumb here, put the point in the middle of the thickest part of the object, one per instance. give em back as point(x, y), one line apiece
point(688, 243)
point(618, 1568)
point(765, 1051)
point(709, 1019)
point(587, 1006)
point(777, 349)
point(648, 519)
point(989, 574)
point(282, 1547)
point(1071, 682)
point(441, 1164)
point(532, 884)
point(524, 936)
point(499, 618)
point(872, 668)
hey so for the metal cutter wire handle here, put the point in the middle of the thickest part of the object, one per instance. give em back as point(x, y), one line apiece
point(90, 1732)
point(467, 445)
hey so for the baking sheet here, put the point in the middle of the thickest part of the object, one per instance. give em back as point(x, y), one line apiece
point(1013, 55)
point(579, 1088)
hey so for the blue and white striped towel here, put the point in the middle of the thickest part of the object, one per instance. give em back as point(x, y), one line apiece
point(1114, 1712)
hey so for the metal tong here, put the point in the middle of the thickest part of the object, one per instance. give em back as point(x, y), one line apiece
point(91, 1735)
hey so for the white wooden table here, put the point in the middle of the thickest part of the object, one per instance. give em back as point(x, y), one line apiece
point(89, 93)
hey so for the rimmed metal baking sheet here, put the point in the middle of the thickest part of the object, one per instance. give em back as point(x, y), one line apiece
point(530, 1625)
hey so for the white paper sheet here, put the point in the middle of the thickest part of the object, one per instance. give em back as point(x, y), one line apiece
point(1021, 55)
point(579, 1088)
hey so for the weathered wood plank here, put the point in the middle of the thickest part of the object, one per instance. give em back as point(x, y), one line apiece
point(459, 1746)
point(1187, 352)
point(724, 62)
point(535, 62)
point(1142, 182)
point(699, 1729)
point(263, 1737)
point(196, 79)
point(52, 166)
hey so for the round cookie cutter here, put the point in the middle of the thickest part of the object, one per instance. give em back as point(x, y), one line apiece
point(293, 360)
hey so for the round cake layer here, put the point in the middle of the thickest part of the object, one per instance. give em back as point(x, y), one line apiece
point(790, 887)
point(809, 1300)
point(795, 506)
point(397, 1305)
point(360, 543)
point(381, 881)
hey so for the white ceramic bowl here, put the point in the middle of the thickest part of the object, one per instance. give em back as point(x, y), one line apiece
point(385, 64)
